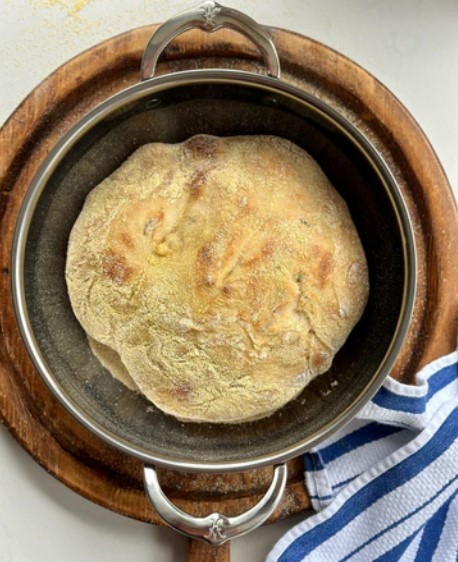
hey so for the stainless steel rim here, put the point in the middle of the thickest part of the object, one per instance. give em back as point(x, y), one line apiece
point(155, 85)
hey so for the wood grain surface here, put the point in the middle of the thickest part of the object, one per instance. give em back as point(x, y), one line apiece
point(67, 450)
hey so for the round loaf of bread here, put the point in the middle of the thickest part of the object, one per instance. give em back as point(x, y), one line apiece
point(223, 274)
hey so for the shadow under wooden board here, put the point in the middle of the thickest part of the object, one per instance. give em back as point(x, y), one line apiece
point(61, 445)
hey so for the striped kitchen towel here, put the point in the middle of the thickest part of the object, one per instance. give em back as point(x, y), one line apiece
point(386, 486)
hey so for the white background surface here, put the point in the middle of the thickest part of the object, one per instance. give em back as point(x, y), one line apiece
point(410, 45)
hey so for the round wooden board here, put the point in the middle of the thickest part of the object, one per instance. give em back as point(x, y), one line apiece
point(40, 424)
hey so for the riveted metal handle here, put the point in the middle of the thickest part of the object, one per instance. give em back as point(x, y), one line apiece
point(215, 528)
point(209, 16)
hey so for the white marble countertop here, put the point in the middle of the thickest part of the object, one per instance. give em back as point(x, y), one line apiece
point(410, 45)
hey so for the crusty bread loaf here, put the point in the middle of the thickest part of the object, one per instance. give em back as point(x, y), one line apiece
point(225, 273)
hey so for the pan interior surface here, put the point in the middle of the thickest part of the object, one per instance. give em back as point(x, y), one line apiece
point(173, 115)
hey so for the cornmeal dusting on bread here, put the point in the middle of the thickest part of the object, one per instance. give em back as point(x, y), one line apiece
point(225, 274)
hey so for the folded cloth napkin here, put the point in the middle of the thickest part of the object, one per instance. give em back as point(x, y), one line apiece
point(386, 486)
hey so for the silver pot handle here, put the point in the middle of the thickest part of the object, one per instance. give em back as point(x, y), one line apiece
point(209, 16)
point(215, 528)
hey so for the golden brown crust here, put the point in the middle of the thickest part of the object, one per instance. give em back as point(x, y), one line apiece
point(225, 272)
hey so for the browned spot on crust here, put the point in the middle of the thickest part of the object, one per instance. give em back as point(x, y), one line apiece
point(115, 268)
point(182, 391)
point(266, 251)
point(320, 360)
point(205, 263)
point(197, 181)
point(324, 268)
point(205, 255)
point(227, 290)
point(203, 145)
point(126, 240)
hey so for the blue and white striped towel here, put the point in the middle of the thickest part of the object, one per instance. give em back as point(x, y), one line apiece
point(386, 486)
